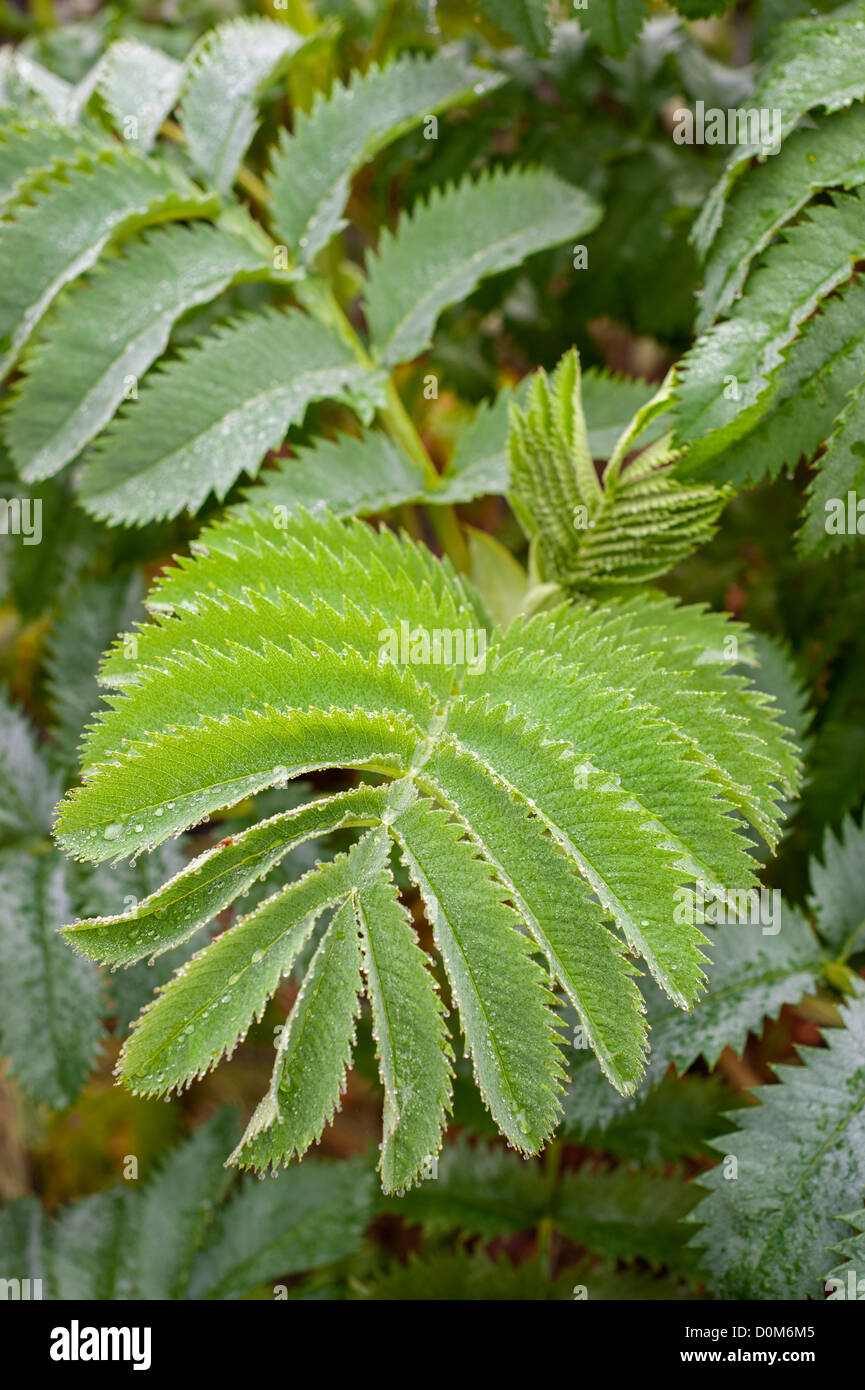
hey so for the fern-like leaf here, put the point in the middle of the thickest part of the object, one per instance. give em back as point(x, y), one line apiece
point(725, 377)
point(49, 999)
point(271, 656)
point(826, 155)
point(314, 1052)
point(752, 977)
point(349, 475)
point(838, 889)
point(29, 146)
point(308, 1218)
point(813, 65)
point(837, 1282)
point(616, 1214)
point(27, 787)
point(614, 24)
point(841, 472)
point(624, 529)
point(90, 621)
point(177, 1207)
point(527, 21)
point(411, 1038)
point(809, 391)
point(175, 1237)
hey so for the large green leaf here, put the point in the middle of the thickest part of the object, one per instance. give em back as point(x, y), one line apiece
point(523, 792)
point(614, 24)
point(826, 154)
point(310, 1217)
point(814, 64)
point(725, 380)
point(618, 1214)
point(527, 21)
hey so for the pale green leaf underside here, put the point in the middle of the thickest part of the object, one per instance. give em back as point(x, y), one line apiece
point(213, 413)
point(853, 1250)
point(101, 197)
point(101, 339)
point(28, 146)
point(226, 74)
point(766, 1234)
point(814, 64)
point(312, 168)
point(462, 234)
point(139, 86)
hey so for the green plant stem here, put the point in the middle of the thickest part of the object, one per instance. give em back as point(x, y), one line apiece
point(317, 295)
point(443, 520)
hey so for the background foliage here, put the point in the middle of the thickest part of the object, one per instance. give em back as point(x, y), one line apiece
point(617, 1203)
